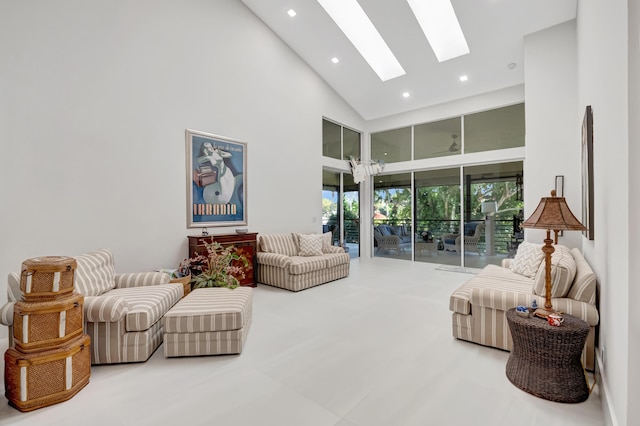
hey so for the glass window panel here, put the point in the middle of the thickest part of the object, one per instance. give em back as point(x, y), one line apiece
point(437, 216)
point(350, 143)
point(391, 146)
point(437, 139)
point(330, 196)
point(493, 198)
point(392, 216)
point(495, 129)
point(331, 137)
point(351, 214)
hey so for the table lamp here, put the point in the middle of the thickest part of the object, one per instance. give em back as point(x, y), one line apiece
point(552, 213)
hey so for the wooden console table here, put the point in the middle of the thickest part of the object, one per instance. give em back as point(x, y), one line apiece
point(246, 244)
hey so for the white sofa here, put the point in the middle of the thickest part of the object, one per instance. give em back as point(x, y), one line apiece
point(122, 312)
point(478, 306)
point(297, 261)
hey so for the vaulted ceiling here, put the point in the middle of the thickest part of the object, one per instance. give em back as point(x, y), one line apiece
point(494, 29)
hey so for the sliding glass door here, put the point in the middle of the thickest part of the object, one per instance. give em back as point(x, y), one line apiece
point(341, 210)
point(437, 216)
point(392, 223)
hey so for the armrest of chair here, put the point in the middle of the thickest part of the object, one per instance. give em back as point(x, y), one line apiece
point(140, 279)
point(104, 308)
point(334, 249)
point(6, 314)
point(273, 259)
point(392, 239)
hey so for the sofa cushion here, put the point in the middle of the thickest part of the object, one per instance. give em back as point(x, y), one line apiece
point(147, 305)
point(279, 243)
point(385, 229)
point(301, 265)
point(527, 260)
point(563, 271)
point(492, 280)
point(470, 229)
point(210, 309)
point(310, 244)
point(584, 284)
point(95, 273)
point(327, 242)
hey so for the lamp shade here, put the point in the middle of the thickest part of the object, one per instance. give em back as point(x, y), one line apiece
point(553, 213)
point(489, 207)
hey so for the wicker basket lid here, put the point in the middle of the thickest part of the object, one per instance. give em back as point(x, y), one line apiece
point(49, 264)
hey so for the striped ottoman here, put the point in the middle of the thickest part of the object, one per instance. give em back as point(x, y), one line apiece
point(209, 321)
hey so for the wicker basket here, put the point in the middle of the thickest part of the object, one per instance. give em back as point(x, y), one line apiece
point(38, 326)
point(45, 378)
point(185, 281)
point(47, 277)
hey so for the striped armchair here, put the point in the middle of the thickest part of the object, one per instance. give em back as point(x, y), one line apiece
point(479, 306)
point(122, 312)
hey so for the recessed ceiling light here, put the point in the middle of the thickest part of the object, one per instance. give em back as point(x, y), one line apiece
point(359, 29)
point(335, 60)
point(512, 65)
point(406, 95)
point(441, 27)
point(464, 78)
point(291, 12)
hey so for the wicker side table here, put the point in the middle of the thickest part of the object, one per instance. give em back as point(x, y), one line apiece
point(545, 360)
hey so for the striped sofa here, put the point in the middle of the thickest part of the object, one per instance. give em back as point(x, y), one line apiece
point(280, 263)
point(480, 304)
point(122, 312)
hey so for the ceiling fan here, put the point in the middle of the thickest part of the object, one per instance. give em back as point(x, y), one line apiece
point(453, 148)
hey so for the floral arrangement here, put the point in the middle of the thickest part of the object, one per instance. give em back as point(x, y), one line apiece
point(216, 268)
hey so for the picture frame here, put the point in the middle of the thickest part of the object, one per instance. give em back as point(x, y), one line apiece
point(559, 186)
point(587, 173)
point(216, 180)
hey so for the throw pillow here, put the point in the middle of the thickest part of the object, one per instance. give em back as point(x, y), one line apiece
point(563, 271)
point(527, 260)
point(327, 242)
point(310, 244)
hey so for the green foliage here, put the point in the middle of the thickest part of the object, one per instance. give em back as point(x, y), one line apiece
point(217, 268)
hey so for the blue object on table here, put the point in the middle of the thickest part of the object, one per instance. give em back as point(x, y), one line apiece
point(534, 304)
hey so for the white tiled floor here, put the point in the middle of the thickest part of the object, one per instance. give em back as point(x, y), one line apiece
point(372, 349)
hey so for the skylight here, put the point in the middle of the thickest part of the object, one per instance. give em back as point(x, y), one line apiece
point(359, 29)
point(441, 27)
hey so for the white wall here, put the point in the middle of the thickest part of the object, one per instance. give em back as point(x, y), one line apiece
point(603, 82)
point(634, 208)
point(95, 99)
point(552, 142)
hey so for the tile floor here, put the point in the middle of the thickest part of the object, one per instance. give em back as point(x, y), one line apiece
point(372, 349)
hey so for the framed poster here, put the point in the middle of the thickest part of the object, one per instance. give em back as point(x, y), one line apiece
point(216, 180)
point(587, 172)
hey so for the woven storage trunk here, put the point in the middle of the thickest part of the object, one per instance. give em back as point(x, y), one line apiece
point(38, 326)
point(185, 282)
point(45, 378)
point(47, 277)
